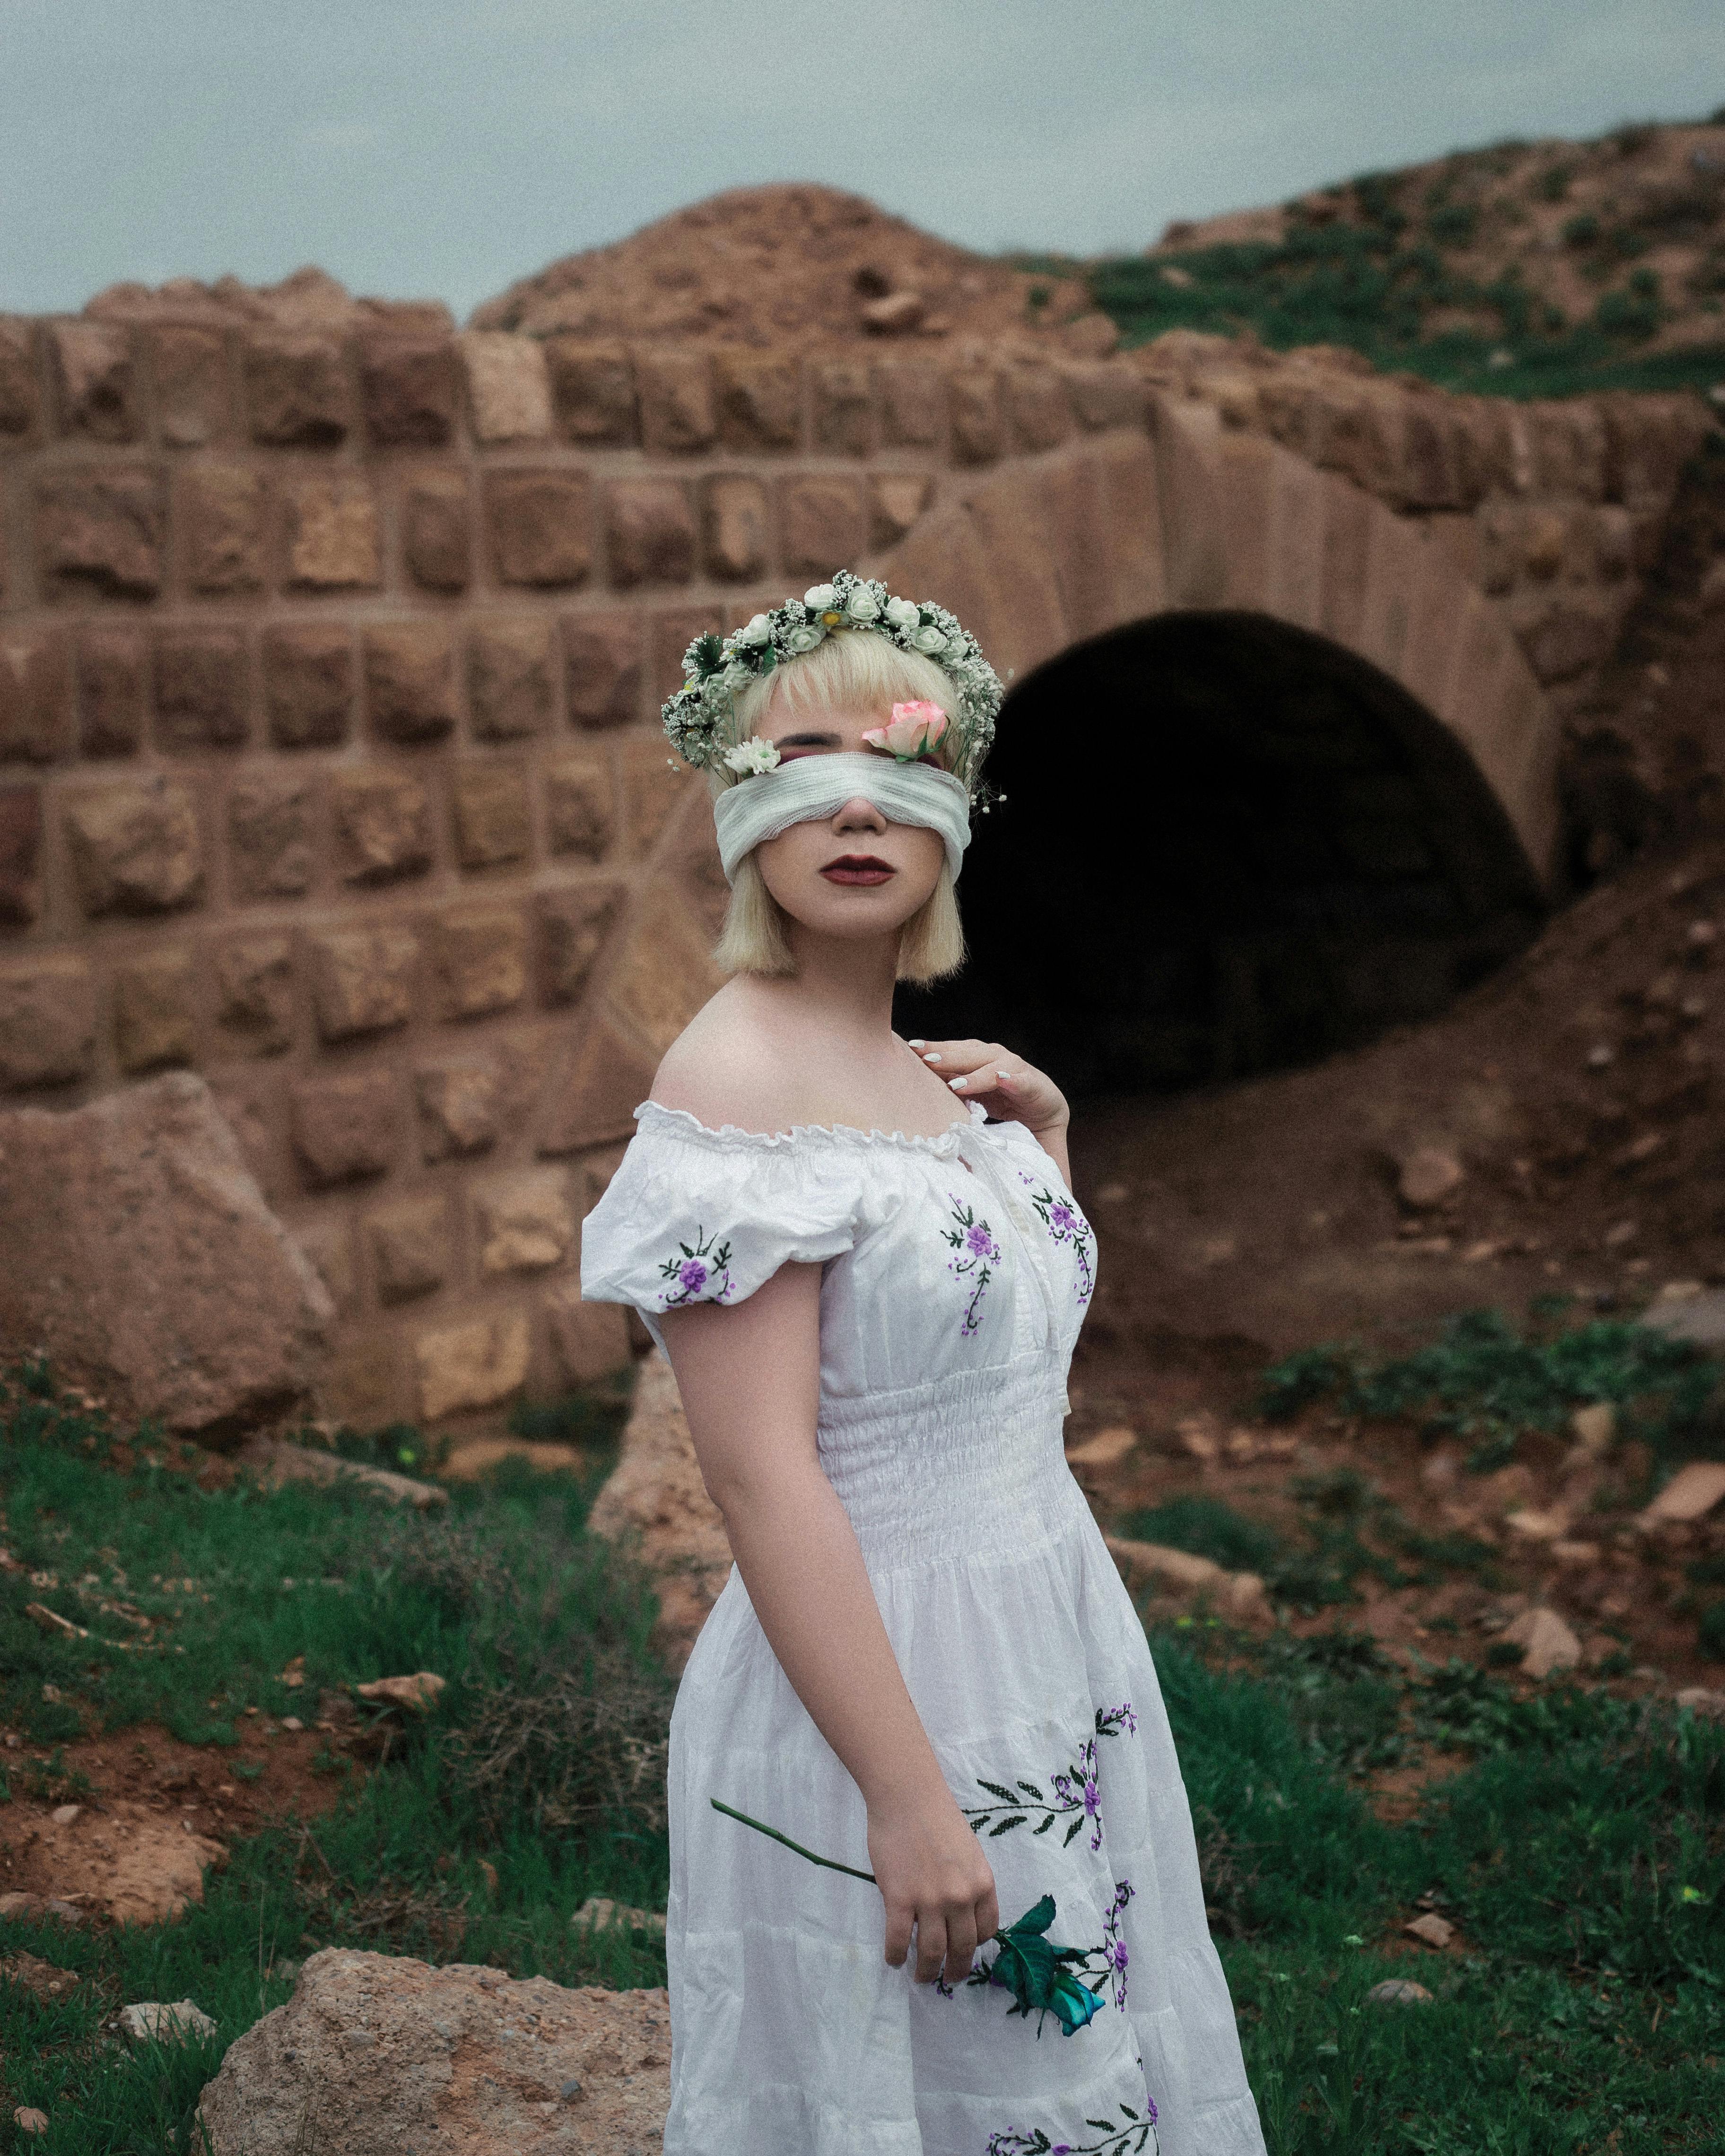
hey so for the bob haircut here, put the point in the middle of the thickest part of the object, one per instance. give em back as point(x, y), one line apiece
point(854, 666)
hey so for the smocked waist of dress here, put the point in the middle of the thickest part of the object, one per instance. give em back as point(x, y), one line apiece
point(968, 1464)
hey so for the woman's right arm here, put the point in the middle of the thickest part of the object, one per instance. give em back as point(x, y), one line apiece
point(750, 1379)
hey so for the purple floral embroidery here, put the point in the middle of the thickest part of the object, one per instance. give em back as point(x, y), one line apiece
point(977, 1254)
point(1115, 1955)
point(1065, 1224)
point(702, 1274)
point(1077, 1792)
point(1122, 2137)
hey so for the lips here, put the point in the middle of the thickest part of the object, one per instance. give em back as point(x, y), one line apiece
point(860, 869)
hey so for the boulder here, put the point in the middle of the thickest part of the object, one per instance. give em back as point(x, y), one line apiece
point(138, 1254)
point(656, 1499)
point(279, 1460)
point(1691, 1494)
point(1546, 1642)
point(153, 2021)
point(374, 2054)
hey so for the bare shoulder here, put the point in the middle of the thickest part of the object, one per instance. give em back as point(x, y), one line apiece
point(731, 1065)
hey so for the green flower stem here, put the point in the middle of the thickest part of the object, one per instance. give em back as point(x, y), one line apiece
point(850, 1869)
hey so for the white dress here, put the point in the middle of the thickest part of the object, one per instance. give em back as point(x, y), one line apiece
point(957, 1269)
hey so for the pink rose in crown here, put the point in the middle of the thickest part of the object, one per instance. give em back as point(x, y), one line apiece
point(915, 731)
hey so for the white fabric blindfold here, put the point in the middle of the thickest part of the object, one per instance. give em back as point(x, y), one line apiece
point(759, 807)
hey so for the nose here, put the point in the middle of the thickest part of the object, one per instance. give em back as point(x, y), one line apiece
point(859, 814)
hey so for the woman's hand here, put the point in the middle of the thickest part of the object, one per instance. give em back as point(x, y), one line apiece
point(1009, 1088)
point(933, 1875)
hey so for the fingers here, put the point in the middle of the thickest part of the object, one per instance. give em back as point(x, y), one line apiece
point(900, 1917)
point(961, 1942)
point(971, 1067)
point(931, 1945)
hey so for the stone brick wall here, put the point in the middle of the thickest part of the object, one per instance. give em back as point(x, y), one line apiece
point(329, 764)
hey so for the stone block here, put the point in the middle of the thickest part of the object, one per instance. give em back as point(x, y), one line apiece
point(508, 385)
point(523, 1222)
point(479, 955)
point(333, 540)
point(269, 839)
point(978, 433)
point(362, 979)
point(573, 927)
point(654, 787)
point(382, 822)
point(47, 1020)
point(35, 696)
point(822, 525)
point(734, 522)
point(20, 855)
point(154, 1012)
point(1429, 478)
point(842, 397)
point(1499, 526)
point(135, 847)
point(346, 1128)
point(1545, 541)
point(913, 404)
point(1614, 544)
point(18, 399)
point(408, 1244)
point(308, 686)
point(1038, 407)
point(666, 971)
point(189, 367)
point(328, 1248)
point(540, 526)
point(493, 824)
point(1293, 585)
point(593, 388)
point(1347, 537)
point(594, 1100)
point(578, 815)
point(410, 680)
point(760, 397)
point(100, 532)
point(95, 384)
point(511, 676)
point(475, 1365)
point(1079, 546)
point(602, 668)
point(406, 388)
point(588, 1340)
point(676, 391)
point(221, 512)
point(1009, 519)
point(297, 393)
point(650, 533)
point(895, 501)
point(461, 1105)
point(437, 536)
point(255, 995)
point(1564, 636)
point(203, 688)
point(1104, 396)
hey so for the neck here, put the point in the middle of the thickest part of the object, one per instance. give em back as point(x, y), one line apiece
point(844, 983)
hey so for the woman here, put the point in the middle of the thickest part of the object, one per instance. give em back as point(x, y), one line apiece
point(863, 1259)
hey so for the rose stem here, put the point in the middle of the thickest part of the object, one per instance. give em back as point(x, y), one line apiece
point(850, 1869)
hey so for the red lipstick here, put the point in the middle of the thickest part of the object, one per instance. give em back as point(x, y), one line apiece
point(858, 868)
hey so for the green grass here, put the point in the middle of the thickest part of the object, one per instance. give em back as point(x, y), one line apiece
point(1583, 1852)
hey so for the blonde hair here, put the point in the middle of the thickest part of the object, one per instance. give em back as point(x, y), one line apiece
point(852, 667)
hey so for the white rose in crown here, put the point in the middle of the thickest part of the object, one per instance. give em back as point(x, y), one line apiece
point(756, 630)
point(804, 639)
point(929, 640)
point(862, 605)
point(903, 613)
point(820, 597)
point(750, 758)
point(915, 731)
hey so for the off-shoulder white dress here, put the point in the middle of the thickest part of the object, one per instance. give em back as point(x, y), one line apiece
point(957, 1271)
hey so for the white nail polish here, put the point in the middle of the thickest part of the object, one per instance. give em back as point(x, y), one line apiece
point(931, 1059)
point(918, 1044)
point(956, 1083)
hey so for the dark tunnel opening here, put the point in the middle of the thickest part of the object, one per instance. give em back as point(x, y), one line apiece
point(1227, 845)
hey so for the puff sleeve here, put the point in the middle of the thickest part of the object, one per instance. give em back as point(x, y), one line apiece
point(699, 1215)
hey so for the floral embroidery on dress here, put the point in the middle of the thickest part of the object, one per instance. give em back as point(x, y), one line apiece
point(1116, 1956)
point(1077, 1792)
point(1137, 2132)
point(1065, 1224)
point(978, 1253)
point(695, 1271)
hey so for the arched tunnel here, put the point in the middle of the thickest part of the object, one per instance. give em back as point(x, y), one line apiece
point(1226, 845)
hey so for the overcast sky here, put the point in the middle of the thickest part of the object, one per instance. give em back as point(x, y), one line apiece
point(441, 148)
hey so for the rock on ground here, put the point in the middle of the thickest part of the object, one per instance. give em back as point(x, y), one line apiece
point(138, 1251)
point(1179, 1575)
point(655, 1493)
point(156, 2021)
point(123, 1861)
point(1546, 1642)
point(279, 1460)
point(376, 2056)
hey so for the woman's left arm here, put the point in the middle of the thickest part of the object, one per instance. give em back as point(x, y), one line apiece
point(1009, 1088)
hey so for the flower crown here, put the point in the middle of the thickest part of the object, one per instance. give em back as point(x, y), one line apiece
point(700, 717)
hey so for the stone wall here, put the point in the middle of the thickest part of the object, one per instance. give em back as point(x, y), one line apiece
point(329, 673)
